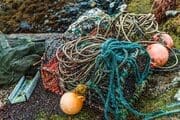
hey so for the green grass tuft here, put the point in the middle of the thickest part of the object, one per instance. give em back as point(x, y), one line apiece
point(85, 114)
point(140, 6)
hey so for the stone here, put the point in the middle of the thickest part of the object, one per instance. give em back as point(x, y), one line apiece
point(74, 10)
point(46, 21)
point(1, 105)
point(177, 96)
point(93, 4)
point(84, 4)
point(25, 25)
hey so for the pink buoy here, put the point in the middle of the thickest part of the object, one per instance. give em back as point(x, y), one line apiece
point(159, 54)
point(165, 38)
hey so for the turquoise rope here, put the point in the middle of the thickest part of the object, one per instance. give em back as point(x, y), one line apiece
point(164, 113)
point(114, 55)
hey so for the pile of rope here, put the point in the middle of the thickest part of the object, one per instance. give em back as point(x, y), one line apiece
point(107, 59)
point(113, 70)
point(128, 26)
point(76, 61)
point(110, 68)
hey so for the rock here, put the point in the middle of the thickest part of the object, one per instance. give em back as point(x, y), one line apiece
point(1, 105)
point(176, 80)
point(177, 96)
point(74, 10)
point(49, 29)
point(46, 21)
point(93, 4)
point(33, 14)
point(84, 4)
point(3, 7)
point(25, 25)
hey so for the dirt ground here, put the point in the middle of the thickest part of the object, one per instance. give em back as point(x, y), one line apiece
point(41, 100)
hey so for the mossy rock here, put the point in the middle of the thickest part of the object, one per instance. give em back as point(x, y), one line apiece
point(172, 26)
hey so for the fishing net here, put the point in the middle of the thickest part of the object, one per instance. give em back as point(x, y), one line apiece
point(86, 23)
point(133, 27)
point(95, 22)
point(49, 66)
point(99, 51)
point(17, 57)
point(127, 26)
point(75, 30)
point(88, 61)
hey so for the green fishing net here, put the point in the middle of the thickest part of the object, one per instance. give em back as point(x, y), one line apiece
point(17, 57)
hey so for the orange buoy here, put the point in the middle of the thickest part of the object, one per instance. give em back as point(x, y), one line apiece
point(159, 54)
point(71, 103)
point(165, 38)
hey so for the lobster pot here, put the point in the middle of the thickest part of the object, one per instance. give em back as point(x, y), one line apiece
point(49, 65)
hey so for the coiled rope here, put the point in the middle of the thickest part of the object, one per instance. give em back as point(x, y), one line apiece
point(130, 26)
point(76, 60)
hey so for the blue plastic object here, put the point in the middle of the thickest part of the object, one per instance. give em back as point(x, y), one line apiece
point(23, 89)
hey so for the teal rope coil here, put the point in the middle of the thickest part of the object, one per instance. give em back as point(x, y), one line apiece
point(116, 56)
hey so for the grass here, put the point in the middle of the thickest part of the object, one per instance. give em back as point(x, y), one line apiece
point(140, 6)
point(172, 26)
point(85, 114)
point(160, 102)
